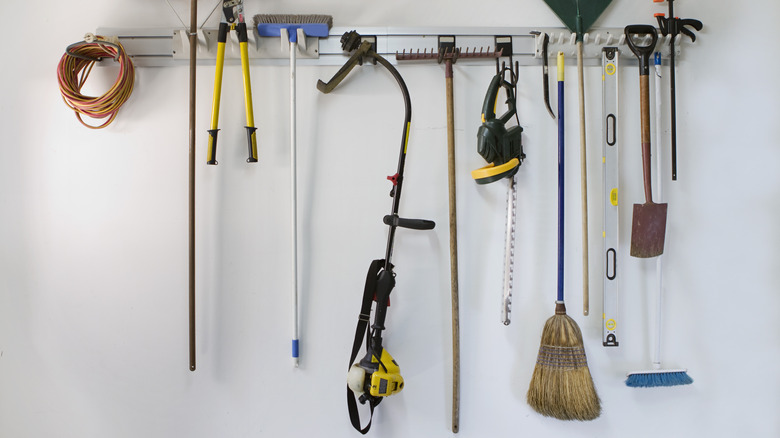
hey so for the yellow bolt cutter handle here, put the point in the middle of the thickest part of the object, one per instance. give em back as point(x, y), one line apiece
point(221, 40)
point(243, 42)
point(250, 118)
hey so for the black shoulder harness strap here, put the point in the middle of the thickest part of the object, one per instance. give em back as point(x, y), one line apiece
point(361, 332)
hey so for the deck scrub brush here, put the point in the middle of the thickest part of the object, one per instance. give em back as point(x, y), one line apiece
point(658, 376)
point(293, 29)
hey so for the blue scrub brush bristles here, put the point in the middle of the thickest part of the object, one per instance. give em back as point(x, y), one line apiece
point(313, 25)
point(658, 378)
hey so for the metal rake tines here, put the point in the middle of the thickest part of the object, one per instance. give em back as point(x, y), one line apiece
point(449, 53)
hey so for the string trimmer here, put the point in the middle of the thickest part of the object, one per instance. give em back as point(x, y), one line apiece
point(377, 374)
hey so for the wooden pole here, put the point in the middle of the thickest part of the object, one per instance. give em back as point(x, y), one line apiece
point(193, 37)
point(453, 250)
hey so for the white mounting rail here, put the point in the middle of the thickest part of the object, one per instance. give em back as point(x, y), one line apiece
point(169, 47)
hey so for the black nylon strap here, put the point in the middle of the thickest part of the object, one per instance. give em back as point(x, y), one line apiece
point(361, 332)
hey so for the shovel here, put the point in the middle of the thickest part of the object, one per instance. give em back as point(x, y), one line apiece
point(648, 229)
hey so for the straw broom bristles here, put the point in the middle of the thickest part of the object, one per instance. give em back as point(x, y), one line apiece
point(561, 386)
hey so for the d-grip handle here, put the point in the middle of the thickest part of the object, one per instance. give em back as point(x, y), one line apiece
point(491, 98)
point(414, 224)
point(643, 53)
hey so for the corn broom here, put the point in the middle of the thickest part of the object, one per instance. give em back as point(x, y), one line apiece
point(561, 386)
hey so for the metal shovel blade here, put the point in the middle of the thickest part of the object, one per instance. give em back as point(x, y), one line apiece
point(648, 230)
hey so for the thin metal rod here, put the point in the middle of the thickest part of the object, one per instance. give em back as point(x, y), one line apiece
point(659, 197)
point(294, 203)
point(176, 14)
point(193, 55)
point(673, 93)
point(218, 4)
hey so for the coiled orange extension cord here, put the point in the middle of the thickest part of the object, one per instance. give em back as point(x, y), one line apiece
point(74, 69)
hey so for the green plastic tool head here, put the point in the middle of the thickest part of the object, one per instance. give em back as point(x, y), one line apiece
point(578, 15)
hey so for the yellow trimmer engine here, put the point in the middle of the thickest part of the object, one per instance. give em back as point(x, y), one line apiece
point(377, 378)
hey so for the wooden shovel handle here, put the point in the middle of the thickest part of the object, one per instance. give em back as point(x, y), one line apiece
point(644, 103)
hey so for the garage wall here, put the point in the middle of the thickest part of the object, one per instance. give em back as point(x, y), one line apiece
point(93, 225)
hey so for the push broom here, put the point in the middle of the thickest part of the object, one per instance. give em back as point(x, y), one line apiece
point(658, 376)
point(561, 385)
point(293, 29)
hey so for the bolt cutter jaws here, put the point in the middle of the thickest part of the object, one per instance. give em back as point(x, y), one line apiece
point(233, 11)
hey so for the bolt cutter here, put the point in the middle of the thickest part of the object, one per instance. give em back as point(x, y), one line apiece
point(232, 19)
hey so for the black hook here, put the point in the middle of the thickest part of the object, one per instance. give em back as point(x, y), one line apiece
point(69, 50)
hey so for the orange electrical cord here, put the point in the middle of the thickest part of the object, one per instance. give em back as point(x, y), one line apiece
point(74, 69)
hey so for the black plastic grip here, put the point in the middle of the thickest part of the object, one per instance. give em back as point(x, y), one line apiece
point(242, 35)
point(413, 224)
point(251, 144)
point(643, 53)
point(212, 151)
point(222, 33)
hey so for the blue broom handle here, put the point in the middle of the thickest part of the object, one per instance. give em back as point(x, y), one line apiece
point(560, 176)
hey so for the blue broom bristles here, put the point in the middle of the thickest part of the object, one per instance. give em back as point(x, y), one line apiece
point(653, 379)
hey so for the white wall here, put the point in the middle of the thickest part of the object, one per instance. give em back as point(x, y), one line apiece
point(93, 259)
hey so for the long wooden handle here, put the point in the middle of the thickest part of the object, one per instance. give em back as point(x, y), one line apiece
point(584, 186)
point(644, 103)
point(453, 252)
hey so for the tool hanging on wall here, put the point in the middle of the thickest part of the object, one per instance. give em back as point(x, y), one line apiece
point(674, 26)
point(579, 16)
point(193, 38)
point(74, 69)
point(377, 374)
point(610, 149)
point(232, 19)
point(658, 376)
point(448, 53)
point(648, 227)
point(545, 70)
point(561, 386)
point(503, 149)
point(293, 30)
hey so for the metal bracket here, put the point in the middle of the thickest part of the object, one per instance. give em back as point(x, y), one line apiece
point(169, 47)
point(447, 46)
point(371, 39)
point(593, 42)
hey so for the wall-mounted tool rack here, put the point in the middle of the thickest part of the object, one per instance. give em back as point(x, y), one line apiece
point(167, 47)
